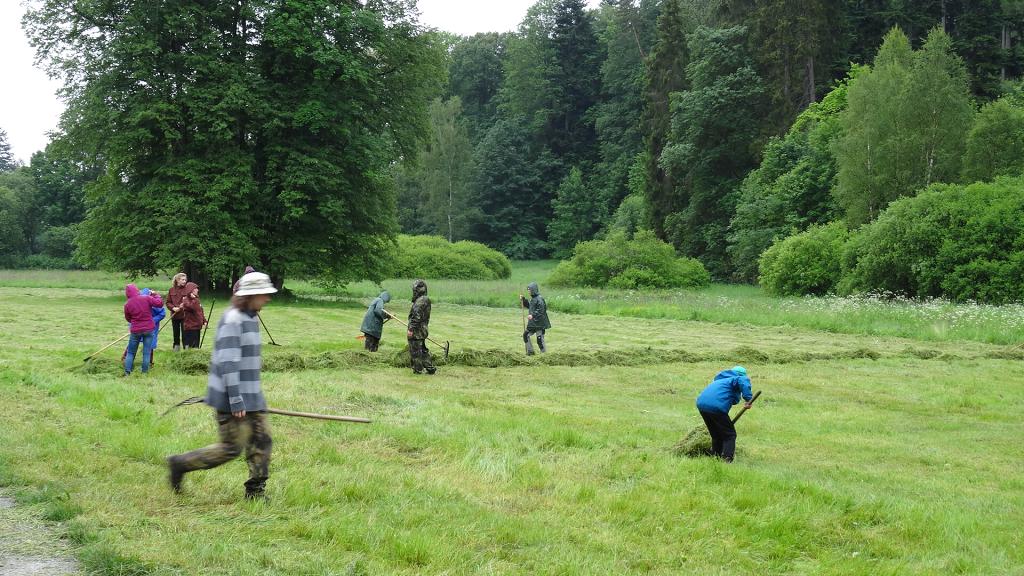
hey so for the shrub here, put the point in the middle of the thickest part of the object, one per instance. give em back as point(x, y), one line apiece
point(960, 242)
point(995, 144)
point(618, 262)
point(435, 257)
point(804, 263)
point(46, 262)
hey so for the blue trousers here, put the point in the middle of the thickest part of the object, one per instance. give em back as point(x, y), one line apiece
point(148, 339)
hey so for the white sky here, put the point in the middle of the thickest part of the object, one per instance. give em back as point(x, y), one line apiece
point(29, 107)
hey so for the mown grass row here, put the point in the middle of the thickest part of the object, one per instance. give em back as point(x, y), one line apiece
point(197, 362)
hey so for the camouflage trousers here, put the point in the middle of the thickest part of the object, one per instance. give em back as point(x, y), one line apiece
point(420, 357)
point(251, 434)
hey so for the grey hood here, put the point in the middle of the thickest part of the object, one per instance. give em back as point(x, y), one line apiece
point(533, 288)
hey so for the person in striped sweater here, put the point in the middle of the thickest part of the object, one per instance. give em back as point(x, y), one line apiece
point(233, 392)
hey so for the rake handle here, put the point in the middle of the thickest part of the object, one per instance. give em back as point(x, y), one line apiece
point(319, 416)
point(201, 400)
point(205, 328)
point(264, 324)
point(93, 355)
point(429, 339)
point(744, 409)
point(523, 308)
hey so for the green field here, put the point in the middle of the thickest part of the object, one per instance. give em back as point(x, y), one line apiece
point(887, 439)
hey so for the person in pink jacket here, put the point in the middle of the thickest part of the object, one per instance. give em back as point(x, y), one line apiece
point(138, 311)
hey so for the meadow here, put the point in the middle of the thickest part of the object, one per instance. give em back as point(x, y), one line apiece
point(886, 440)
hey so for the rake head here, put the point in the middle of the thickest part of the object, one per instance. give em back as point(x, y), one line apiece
point(186, 402)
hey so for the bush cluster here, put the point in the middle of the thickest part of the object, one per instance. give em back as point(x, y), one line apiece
point(962, 242)
point(434, 257)
point(618, 262)
point(805, 263)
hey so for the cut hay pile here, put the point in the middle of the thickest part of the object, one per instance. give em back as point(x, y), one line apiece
point(696, 443)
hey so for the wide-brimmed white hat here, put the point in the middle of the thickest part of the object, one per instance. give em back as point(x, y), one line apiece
point(255, 283)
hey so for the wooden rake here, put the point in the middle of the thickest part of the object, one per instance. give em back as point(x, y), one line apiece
point(446, 346)
point(201, 400)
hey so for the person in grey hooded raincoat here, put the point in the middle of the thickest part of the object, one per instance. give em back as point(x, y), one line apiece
point(537, 319)
point(373, 321)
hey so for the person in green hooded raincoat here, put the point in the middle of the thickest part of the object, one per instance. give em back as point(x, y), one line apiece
point(373, 321)
point(537, 318)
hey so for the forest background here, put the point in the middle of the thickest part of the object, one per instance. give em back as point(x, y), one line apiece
point(765, 138)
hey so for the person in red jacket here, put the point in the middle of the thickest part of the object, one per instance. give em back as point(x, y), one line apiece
point(174, 297)
point(138, 311)
point(248, 269)
point(194, 317)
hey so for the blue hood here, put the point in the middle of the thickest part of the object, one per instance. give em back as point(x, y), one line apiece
point(158, 311)
point(725, 391)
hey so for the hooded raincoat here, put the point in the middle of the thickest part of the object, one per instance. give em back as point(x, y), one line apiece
point(138, 310)
point(373, 320)
point(538, 309)
point(419, 314)
point(248, 269)
point(724, 392)
point(193, 308)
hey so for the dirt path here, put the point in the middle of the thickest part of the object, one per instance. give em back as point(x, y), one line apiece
point(28, 547)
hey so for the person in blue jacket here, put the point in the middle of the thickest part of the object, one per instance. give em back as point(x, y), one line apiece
point(714, 403)
point(158, 316)
point(159, 312)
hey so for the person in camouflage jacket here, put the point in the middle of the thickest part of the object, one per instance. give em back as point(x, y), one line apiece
point(419, 321)
point(537, 319)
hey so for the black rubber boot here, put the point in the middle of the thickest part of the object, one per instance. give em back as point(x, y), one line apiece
point(175, 475)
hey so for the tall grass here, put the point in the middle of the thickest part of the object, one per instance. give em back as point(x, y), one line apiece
point(883, 315)
point(932, 320)
point(80, 280)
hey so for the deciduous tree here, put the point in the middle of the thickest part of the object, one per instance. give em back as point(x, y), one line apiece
point(248, 132)
point(904, 127)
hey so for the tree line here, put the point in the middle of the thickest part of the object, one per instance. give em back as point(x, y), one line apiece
point(683, 116)
point(302, 136)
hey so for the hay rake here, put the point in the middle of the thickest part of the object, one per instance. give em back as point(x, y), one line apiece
point(201, 400)
point(447, 344)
